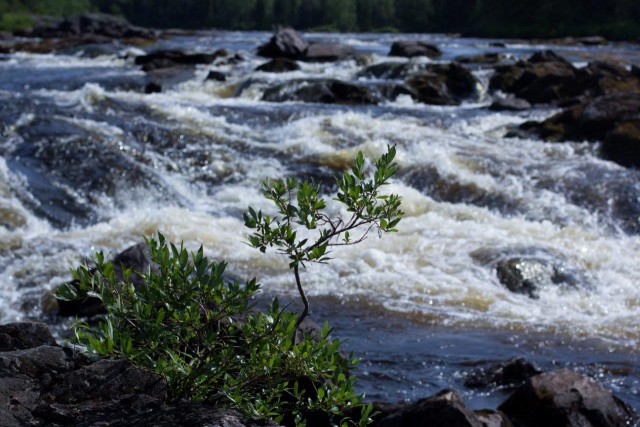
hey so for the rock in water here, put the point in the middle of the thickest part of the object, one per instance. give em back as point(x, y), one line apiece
point(413, 48)
point(285, 43)
point(442, 84)
point(321, 91)
point(509, 104)
point(328, 52)
point(511, 373)
point(613, 120)
point(279, 65)
point(172, 58)
point(566, 399)
point(24, 335)
point(443, 409)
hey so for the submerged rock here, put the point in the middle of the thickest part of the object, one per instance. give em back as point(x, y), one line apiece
point(528, 270)
point(413, 48)
point(136, 258)
point(566, 398)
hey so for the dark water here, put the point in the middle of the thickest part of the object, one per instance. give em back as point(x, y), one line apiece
point(88, 161)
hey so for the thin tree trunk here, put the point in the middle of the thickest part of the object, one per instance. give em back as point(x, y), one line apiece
point(303, 296)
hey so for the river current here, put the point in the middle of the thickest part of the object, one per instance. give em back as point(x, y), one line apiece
point(90, 162)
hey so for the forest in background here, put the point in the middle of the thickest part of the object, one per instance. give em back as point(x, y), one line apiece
point(614, 19)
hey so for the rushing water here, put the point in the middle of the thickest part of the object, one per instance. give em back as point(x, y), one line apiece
point(90, 162)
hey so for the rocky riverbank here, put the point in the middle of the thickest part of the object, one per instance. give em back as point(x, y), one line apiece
point(44, 384)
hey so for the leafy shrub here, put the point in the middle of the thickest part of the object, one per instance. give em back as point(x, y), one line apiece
point(198, 331)
point(186, 323)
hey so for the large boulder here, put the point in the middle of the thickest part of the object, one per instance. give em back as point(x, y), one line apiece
point(442, 84)
point(413, 48)
point(327, 91)
point(566, 399)
point(285, 43)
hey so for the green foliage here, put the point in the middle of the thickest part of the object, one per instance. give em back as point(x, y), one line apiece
point(15, 21)
point(300, 207)
point(186, 323)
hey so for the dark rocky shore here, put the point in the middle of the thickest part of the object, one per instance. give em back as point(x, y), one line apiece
point(44, 384)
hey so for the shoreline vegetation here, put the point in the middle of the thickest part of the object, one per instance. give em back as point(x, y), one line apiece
point(613, 19)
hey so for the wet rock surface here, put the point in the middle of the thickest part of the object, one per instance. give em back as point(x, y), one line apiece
point(288, 43)
point(612, 119)
point(511, 373)
point(279, 65)
point(442, 84)
point(44, 384)
point(413, 48)
point(529, 270)
point(322, 91)
point(566, 398)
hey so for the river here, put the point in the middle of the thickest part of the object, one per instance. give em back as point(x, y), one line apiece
point(89, 162)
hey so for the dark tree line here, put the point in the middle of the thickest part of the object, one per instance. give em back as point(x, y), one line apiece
point(508, 18)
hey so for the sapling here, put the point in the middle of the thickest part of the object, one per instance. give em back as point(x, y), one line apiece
point(300, 206)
